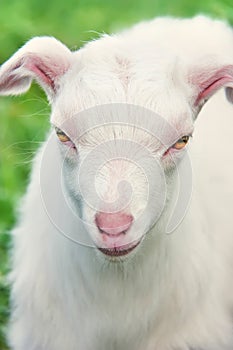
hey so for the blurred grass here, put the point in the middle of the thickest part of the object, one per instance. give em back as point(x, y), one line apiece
point(24, 119)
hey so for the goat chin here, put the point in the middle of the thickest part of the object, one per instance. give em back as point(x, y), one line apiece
point(158, 290)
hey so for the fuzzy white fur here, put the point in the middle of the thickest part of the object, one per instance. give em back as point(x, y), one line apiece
point(175, 291)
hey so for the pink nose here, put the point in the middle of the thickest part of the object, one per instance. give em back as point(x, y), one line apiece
point(113, 224)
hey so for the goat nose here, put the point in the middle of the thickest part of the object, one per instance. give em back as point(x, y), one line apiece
point(113, 224)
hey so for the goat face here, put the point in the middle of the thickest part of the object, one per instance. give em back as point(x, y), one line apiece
point(123, 109)
point(120, 166)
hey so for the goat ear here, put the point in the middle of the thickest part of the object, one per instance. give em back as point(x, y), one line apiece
point(44, 59)
point(209, 80)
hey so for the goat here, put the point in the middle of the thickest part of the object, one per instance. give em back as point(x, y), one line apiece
point(125, 236)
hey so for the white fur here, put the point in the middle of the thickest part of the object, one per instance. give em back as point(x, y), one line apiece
point(175, 291)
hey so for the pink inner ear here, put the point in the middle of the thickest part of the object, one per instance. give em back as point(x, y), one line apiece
point(45, 70)
point(209, 86)
point(41, 72)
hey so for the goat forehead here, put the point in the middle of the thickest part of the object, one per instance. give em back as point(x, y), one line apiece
point(119, 74)
point(91, 89)
point(80, 109)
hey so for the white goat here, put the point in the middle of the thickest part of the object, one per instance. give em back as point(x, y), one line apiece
point(93, 265)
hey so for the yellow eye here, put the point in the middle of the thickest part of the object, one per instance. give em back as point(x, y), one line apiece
point(62, 136)
point(181, 143)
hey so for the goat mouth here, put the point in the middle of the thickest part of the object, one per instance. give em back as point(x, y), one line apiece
point(119, 251)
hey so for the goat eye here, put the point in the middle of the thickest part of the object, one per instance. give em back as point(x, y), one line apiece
point(181, 143)
point(64, 138)
point(61, 135)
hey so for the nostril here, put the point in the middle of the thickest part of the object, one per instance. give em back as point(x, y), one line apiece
point(113, 223)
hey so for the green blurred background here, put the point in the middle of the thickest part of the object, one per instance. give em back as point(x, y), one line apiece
point(24, 119)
